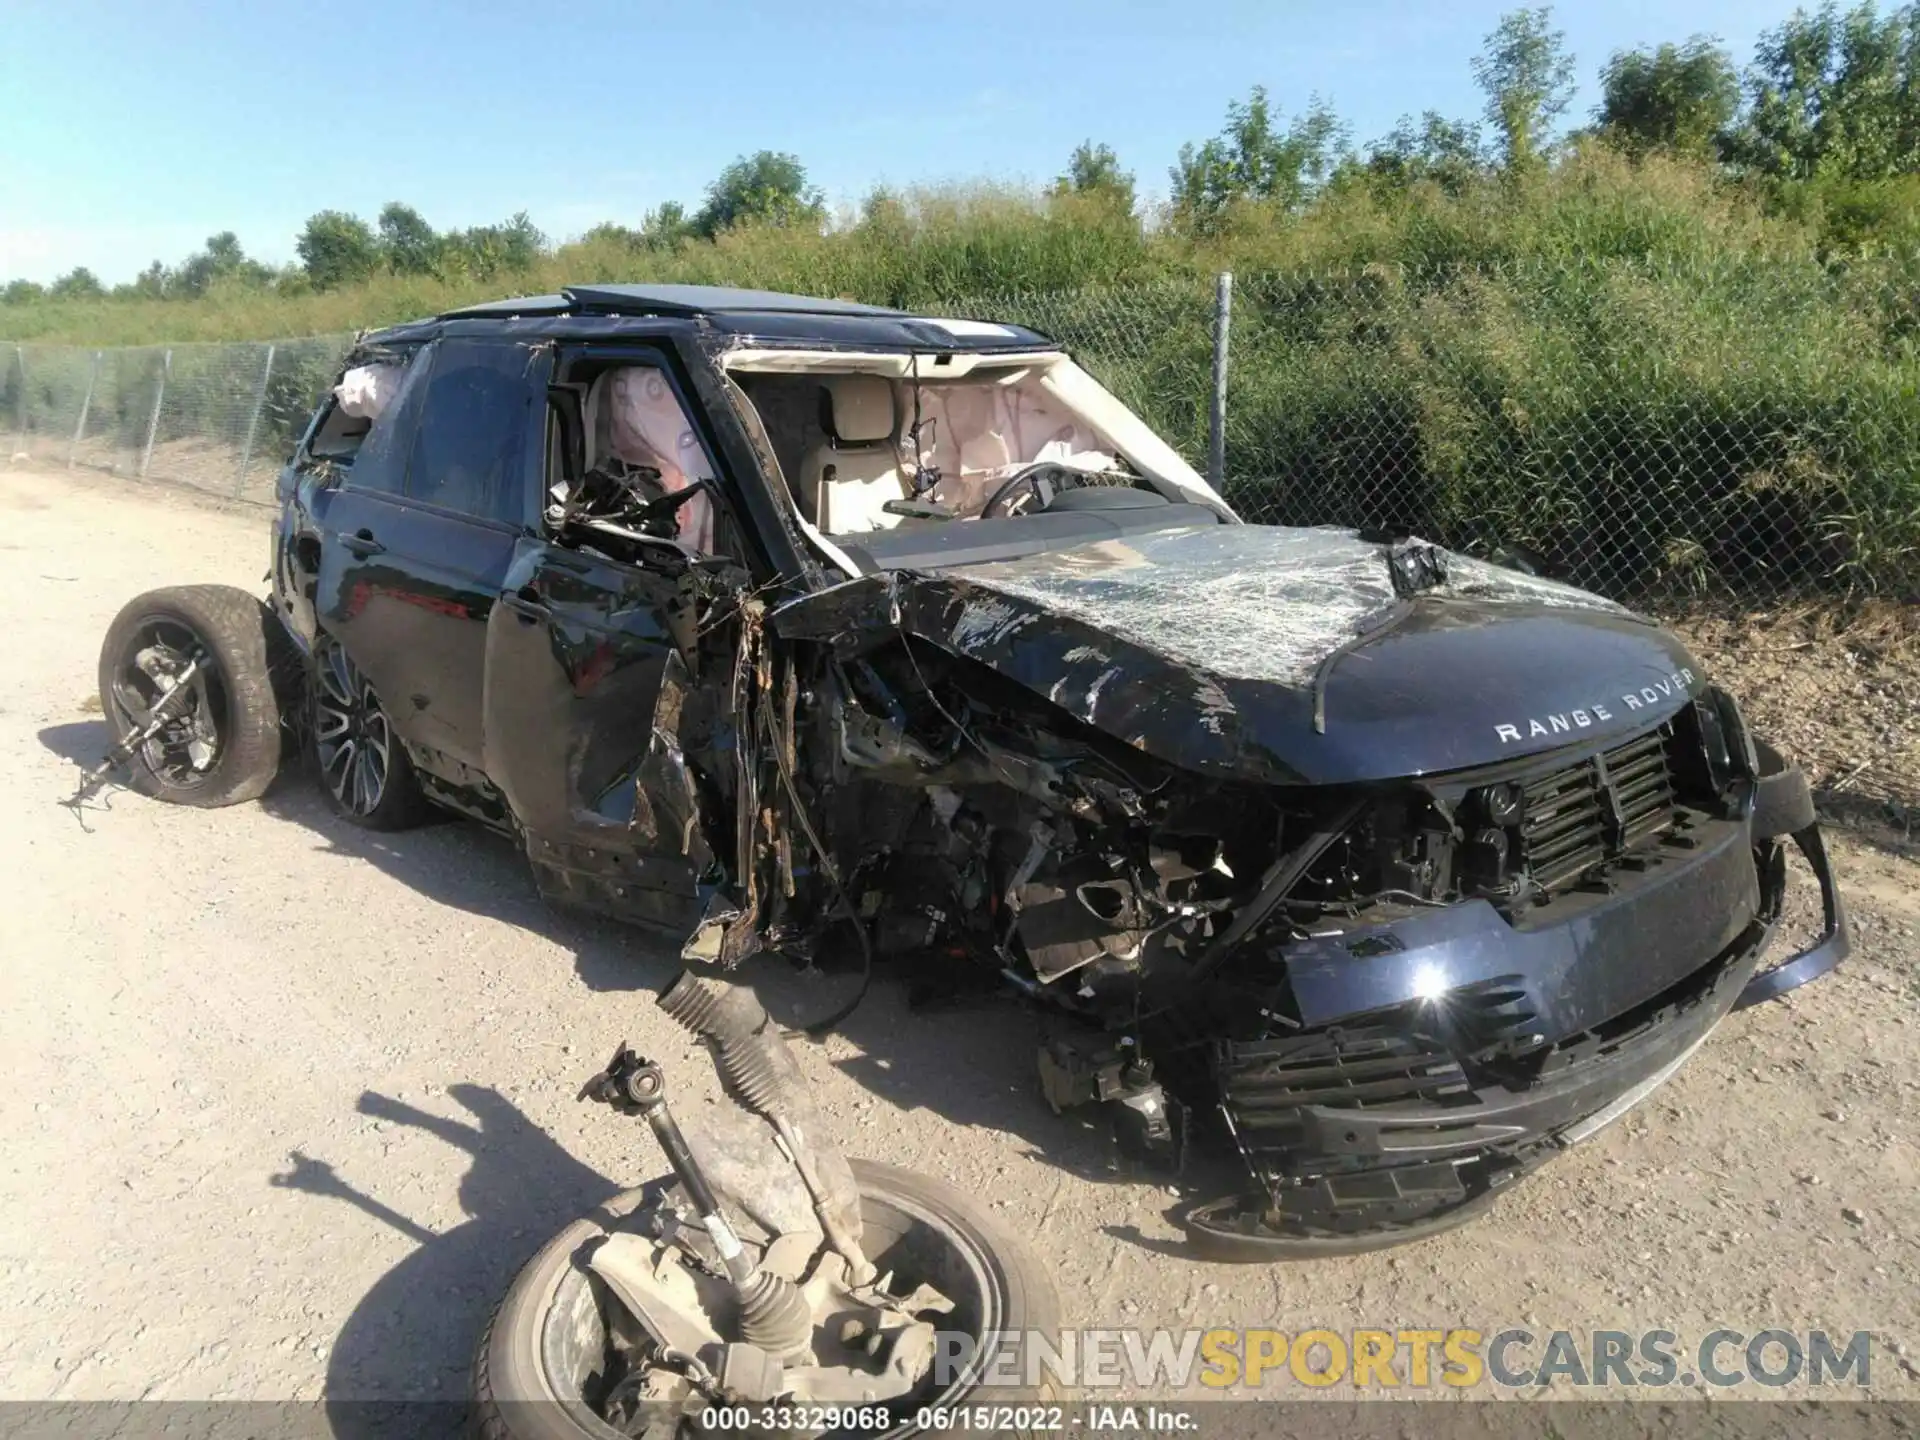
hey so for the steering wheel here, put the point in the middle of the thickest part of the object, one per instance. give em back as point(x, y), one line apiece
point(1036, 484)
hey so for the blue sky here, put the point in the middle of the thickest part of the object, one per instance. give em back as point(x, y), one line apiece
point(132, 131)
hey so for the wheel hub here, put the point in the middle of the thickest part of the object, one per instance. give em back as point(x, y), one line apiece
point(351, 736)
point(162, 657)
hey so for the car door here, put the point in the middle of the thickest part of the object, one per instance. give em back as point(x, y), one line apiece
point(595, 675)
point(410, 571)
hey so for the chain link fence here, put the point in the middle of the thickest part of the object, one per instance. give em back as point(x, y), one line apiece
point(220, 418)
point(1652, 432)
point(1656, 433)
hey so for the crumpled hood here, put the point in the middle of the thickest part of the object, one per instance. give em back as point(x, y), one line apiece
point(1290, 655)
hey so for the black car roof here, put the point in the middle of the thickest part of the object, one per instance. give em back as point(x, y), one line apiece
point(769, 314)
point(710, 300)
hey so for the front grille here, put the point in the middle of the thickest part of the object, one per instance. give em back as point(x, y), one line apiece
point(1586, 814)
point(1264, 1083)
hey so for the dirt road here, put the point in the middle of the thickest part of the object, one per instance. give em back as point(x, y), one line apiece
point(287, 1103)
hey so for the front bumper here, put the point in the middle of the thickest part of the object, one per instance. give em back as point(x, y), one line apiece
point(1783, 807)
point(1443, 1054)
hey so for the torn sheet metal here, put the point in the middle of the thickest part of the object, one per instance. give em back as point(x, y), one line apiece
point(666, 801)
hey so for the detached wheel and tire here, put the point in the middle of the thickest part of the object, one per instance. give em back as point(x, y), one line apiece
point(542, 1357)
point(219, 742)
point(363, 768)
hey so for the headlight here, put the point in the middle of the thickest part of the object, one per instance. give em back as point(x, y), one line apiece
point(1497, 805)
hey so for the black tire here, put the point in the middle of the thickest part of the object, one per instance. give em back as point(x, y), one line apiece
point(515, 1398)
point(347, 729)
point(246, 666)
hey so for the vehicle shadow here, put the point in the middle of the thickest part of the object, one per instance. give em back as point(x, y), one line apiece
point(470, 868)
point(78, 742)
point(465, 866)
point(972, 1064)
point(969, 1060)
point(400, 1363)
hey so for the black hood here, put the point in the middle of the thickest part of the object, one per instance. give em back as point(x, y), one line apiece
point(1288, 655)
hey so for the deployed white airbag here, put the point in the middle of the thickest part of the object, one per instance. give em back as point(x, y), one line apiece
point(366, 390)
point(976, 435)
point(648, 427)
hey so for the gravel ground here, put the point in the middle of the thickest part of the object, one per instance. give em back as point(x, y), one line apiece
point(289, 1103)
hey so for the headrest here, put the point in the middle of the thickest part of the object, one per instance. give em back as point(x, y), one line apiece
point(859, 408)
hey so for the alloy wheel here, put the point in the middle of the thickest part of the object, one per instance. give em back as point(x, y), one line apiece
point(351, 735)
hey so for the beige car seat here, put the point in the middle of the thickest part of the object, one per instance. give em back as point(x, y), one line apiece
point(857, 470)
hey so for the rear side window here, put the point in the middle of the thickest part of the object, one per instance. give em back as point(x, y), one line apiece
point(376, 447)
point(338, 436)
point(470, 454)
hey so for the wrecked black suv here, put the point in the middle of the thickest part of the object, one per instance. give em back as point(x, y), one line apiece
point(805, 626)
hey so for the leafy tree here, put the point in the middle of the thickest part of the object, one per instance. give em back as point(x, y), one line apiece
point(1835, 94)
point(153, 283)
point(225, 252)
point(221, 260)
point(22, 292)
point(337, 249)
point(1527, 74)
point(78, 283)
point(1095, 170)
point(1253, 159)
point(612, 232)
point(407, 240)
point(1675, 97)
point(484, 251)
point(663, 229)
point(667, 228)
point(769, 186)
point(291, 279)
point(1430, 148)
point(522, 242)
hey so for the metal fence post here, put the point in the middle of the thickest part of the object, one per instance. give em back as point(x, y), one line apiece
point(1217, 412)
point(253, 423)
point(20, 400)
point(86, 404)
point(153, 420)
